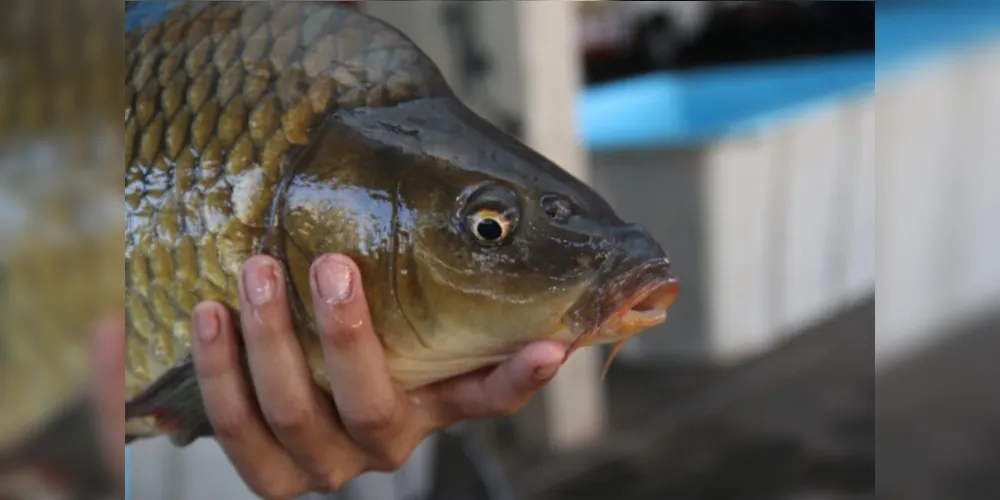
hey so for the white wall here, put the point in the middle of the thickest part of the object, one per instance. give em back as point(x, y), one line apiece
point(790, 227)
point(939, 198)
point(769, 233)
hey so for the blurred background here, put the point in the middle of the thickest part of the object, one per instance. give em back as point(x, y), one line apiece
point(743, 135)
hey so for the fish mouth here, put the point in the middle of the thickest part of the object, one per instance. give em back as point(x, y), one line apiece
point(613, 315)
point(645, 309)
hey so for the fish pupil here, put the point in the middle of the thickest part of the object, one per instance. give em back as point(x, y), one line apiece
point(489, 229)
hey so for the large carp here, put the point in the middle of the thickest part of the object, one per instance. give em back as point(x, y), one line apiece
point(297, 129)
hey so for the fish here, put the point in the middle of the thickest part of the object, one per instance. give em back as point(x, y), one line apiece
point(298, 129)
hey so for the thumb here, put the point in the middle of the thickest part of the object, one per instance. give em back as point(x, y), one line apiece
point(496, 392)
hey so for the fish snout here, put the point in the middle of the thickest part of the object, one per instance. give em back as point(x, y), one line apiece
point(649, 285)
point(637, 288)
point(636, 247)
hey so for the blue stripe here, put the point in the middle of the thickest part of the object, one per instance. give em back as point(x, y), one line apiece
point(691, 107)
point(682, 108)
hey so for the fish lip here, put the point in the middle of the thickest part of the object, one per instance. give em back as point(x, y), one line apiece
point(657, 290)
point(656, 297)
point(644, 309)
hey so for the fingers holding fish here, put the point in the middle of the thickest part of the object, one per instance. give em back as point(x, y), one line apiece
point(303, 422)
point(509, 386)
point(231, 408)
point(373, 408)
point(499, 391)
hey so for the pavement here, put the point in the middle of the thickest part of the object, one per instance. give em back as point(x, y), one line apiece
point(939, 420)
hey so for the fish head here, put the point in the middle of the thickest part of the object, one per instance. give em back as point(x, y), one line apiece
point(496, 247)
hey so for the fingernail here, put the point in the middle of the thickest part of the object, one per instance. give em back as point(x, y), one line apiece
point(206, 324)
point(550, 359)
point(259, 282)
point(334, 281)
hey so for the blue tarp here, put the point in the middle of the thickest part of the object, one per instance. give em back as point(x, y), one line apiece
point(678, 108)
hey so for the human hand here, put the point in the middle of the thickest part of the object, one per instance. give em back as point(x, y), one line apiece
point(283, 436)
point(108, 392)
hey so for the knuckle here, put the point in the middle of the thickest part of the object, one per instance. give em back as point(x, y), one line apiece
point(374, 417)
point(230, 425)
point(275, 483)
point(291, 419)
point(333, 481)
point(275, 488)
point(395, 453)
point(395, 457)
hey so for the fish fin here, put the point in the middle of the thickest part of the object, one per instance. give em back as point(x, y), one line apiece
point(579, 342)
point(174, 403)
point(65, 454)
point(611, 357)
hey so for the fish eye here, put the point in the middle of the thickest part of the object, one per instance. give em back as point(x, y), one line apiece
point(489, 226)
point(556, 207)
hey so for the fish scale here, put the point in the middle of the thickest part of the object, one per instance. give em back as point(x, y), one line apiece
point(219, 95)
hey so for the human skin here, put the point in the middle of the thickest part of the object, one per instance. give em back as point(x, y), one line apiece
point(109, 392)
